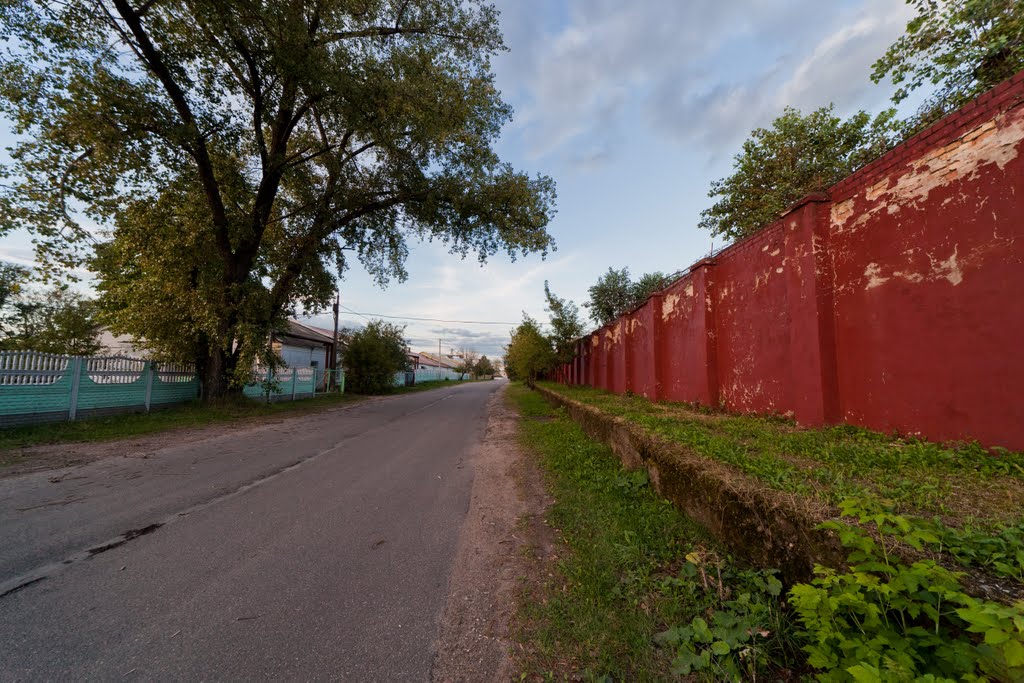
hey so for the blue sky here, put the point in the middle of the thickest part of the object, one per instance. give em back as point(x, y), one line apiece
point(633, 108)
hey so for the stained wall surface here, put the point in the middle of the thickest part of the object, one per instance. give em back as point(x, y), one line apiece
point(895, 301)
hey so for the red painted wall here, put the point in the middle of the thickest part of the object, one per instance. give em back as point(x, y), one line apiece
point(895, 302)
point(928, 257)
point(752, 324)
point(639, 330)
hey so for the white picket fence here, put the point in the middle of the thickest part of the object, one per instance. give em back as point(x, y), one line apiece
point(31, 367)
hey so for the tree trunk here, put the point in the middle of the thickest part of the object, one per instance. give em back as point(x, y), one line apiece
point(216, 375)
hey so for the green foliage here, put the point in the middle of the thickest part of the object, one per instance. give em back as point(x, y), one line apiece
point(619, 583)
point(57, 320)
point(373, 356)
point(961, 48)
point(467, 366)
point(566, 326)
point(609, 296)
point(648, 284)
point(796, 156)
point(12, 282)
point(747, 632)
point(615, 293)
point(483, 367)
point(886, 620)
point(241, 155)
point(834, 463)
point(529, 353)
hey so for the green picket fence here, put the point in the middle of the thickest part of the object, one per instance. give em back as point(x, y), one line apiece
point(291, 384)
point(41, 387)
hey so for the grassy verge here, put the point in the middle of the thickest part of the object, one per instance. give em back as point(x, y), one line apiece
point(637, 577)
point(878, 618)
point(969, 499)
point(136, 424)
point(960, 482)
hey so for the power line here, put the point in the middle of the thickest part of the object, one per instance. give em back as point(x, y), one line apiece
point(429, 320)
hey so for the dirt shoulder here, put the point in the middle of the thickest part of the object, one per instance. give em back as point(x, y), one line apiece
point(493, 560)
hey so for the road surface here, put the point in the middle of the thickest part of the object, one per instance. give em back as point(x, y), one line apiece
point(317, 547)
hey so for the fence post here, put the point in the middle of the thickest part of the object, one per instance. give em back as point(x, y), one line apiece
point(270, 378)
point(294, 373)
point(314, 382)
point(148, 369)
point(75, 365)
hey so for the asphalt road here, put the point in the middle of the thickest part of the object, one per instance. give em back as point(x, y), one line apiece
point(317, 547)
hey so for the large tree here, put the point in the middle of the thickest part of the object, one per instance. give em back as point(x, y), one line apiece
point(566, 326)
point(616, 292)
point(797, 155)
point(238, 155)
point(529, 353)
point(484, 367)
point(961, 48)
point(467, 364)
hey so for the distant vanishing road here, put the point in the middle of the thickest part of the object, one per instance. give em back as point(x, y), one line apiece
point(315, 547)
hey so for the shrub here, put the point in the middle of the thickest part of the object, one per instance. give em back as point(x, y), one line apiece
point(373, 356)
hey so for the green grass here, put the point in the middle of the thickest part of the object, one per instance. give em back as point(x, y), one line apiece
point(192, 414)
point(834, 463)
point(970, 499)
point(633, 569)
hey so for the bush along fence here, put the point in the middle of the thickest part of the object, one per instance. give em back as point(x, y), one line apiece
point(893, 301)
point(290, 384)
point(40, 387)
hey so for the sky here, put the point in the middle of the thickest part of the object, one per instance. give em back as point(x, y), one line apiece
point(633, 108)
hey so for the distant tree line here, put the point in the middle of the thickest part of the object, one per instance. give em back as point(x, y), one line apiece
point(55, 320)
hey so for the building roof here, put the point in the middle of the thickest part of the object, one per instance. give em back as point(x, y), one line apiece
point(308, 332)
point(441, 361)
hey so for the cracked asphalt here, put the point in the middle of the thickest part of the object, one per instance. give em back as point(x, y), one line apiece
point(316, 547)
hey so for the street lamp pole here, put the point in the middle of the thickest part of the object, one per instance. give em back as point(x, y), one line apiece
point(334, 345)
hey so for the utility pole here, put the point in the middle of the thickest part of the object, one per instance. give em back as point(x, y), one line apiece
point(334, 347)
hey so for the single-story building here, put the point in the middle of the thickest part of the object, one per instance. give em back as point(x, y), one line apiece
point(426, 360)
point(304, 346)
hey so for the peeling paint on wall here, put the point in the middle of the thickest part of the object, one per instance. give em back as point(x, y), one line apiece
point(994, 142)
point(895, 312)
point(669, 303)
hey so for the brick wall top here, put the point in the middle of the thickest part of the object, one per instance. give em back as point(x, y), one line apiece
point(951, 127)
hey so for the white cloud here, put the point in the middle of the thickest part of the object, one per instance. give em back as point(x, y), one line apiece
point(457, 290)
point(703, 70)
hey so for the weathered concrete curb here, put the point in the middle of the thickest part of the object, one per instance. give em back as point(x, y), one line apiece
point(768, 528)
point(762, 525)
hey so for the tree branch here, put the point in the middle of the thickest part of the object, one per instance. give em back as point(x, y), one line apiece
point(384, 31)
point(198, 149)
